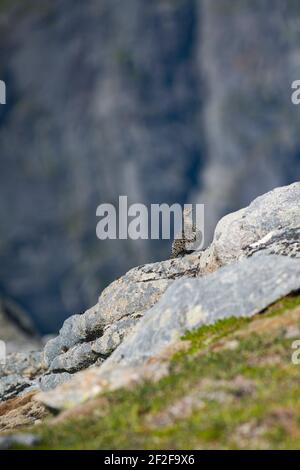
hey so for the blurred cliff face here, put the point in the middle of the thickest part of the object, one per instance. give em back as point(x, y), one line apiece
point(163, 101)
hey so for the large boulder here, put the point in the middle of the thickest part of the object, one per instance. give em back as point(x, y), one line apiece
point(271, 224)
point(92, 336)
point(22, 361)
point(19, 373)
point(271, 221)
point(239, 290)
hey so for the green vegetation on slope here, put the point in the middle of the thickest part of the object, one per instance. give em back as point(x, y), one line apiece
point(234, 386)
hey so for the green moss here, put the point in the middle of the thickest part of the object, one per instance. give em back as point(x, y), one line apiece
point(208, 334)
point(292, 301)
point(267, 417)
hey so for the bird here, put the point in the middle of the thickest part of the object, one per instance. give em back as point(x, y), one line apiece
point(183, 243)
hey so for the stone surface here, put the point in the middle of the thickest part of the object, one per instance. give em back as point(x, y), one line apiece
point(241, 290)
point(119, 307)
point(28, 365)
point(50, 381)
point(113, 336)
point(271, 221)
point(76, 358)
point(92, 383)
point(19, 373)
point(13, 385)
point(22, 362)
point(270, 224)
point(279, 242)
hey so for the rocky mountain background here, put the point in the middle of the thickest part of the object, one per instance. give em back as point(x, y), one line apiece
point(163, 101)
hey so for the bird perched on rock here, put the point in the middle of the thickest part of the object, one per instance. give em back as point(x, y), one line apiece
point(184, 243)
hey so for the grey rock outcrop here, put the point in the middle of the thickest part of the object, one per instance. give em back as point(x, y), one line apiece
point(242, 289)
point(22, 362)
point(86, 338)
point(239, 290)
point(279, 242)
point(20, 373)
point(27, 364)
point(272, 221)
point(50, 381)
point(268, 227)
point(12, 385)
point(270, 224)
